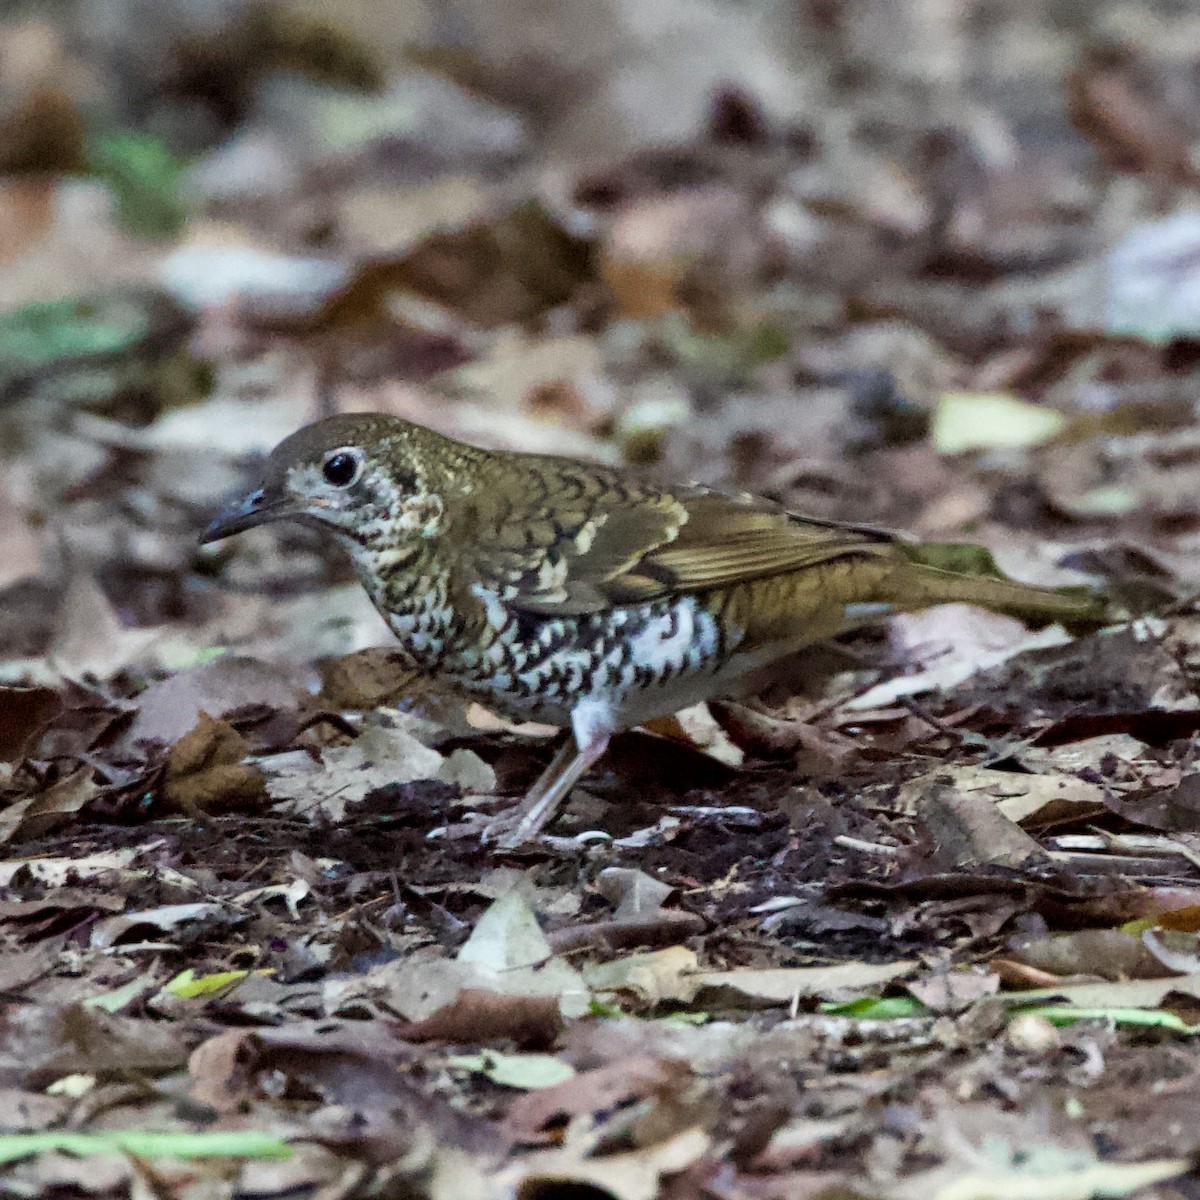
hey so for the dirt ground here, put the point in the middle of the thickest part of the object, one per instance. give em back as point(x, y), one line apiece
point(919, 923)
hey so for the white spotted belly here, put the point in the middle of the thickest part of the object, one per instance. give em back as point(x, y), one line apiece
point(641, 662)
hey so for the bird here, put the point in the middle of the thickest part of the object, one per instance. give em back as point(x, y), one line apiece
point(584, 595)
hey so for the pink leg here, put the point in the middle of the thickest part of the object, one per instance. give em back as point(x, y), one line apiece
point(589, 739)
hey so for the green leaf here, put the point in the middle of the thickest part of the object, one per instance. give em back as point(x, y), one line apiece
point(525, 1071)
point(40, 335)
point(685, 1018)
point(603, 1008)
point(180, 657)
point(188, 985)
point(215, 1144)
point(876, 1008)
point(144, 177)
point(1156, 1018)
point(766, 344)
point(967, 421)
point(116, 1000)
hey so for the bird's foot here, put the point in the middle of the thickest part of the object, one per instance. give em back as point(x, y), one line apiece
point(507, 830)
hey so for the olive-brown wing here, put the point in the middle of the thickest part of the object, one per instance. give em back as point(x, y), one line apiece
point(731, 539)
point(632, 543)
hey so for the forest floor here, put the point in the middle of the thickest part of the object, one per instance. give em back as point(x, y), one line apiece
point(923, 922)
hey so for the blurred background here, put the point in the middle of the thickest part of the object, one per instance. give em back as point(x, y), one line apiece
point(928, 263)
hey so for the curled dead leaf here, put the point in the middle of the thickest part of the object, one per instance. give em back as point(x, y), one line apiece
point(38, 815)
point(205, 771)
point(23, 712)
point(595, 1093)
point(477, 1015)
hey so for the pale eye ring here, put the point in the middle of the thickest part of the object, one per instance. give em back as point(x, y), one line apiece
point(342, 468)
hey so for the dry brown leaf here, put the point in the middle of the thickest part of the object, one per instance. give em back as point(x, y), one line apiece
point(39, 815)
point(171, 708)
point(183, 922)
point(595, 1092)
point(955, 641)
point(477, 1015)
point(366, 679)
point(966, 827)
point(634, 1175)
point(379, 756)
point(40, 1043)
point(651, 977)
point(53, 871)
point(1102, 953)
point(346, 1063)
point(26, 215)
point(954, 991)
point(492, 271)
point(633, 893)
point(768, 987)
point(1125, 993)
point(23, 712)
point(1031, 801)
point(1134, 129)
point(205, 771)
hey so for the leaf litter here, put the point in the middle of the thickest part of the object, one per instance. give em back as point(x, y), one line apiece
point(919, 921)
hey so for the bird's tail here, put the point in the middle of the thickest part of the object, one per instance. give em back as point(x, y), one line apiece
point(940, 575)
point(801, 608)
point(921, 587)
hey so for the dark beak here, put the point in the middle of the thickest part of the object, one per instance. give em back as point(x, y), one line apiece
point(255, 509)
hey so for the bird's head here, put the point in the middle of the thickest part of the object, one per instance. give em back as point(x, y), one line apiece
point(365, 477)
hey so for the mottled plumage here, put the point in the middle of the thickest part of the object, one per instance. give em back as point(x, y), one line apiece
point(578, 594)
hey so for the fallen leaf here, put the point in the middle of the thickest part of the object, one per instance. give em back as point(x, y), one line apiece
point(23, 712)
point(1076, 1180)
point(41, 1043)
point(187, 985)
point(205, 771)
point(476, 1015)
point(966, 421)
point(633, 892)
point(165, 920)
point(506, 954)
point(952, 669)
point(652, 976)
point(783, 985)
point(241, 1143)
point(954, 991)
point(596, 1092)
point(967, 828)
point(378, 757)
point(1135, 128)
point(171, 708)
point(119, 998)
point(634, 1175)
point(346, 1065)
point(508, 943)
point(41, 814)
point(528, 1072)
point(1129, 993)
point(1107, 953)
point(53, 872)
point(1034, 800)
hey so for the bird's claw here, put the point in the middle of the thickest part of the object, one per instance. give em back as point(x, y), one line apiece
point(506, 831)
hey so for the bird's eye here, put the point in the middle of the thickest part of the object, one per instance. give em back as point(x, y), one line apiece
point(342, 468)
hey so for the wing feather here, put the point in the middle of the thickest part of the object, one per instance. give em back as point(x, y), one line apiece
point(636, 543)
